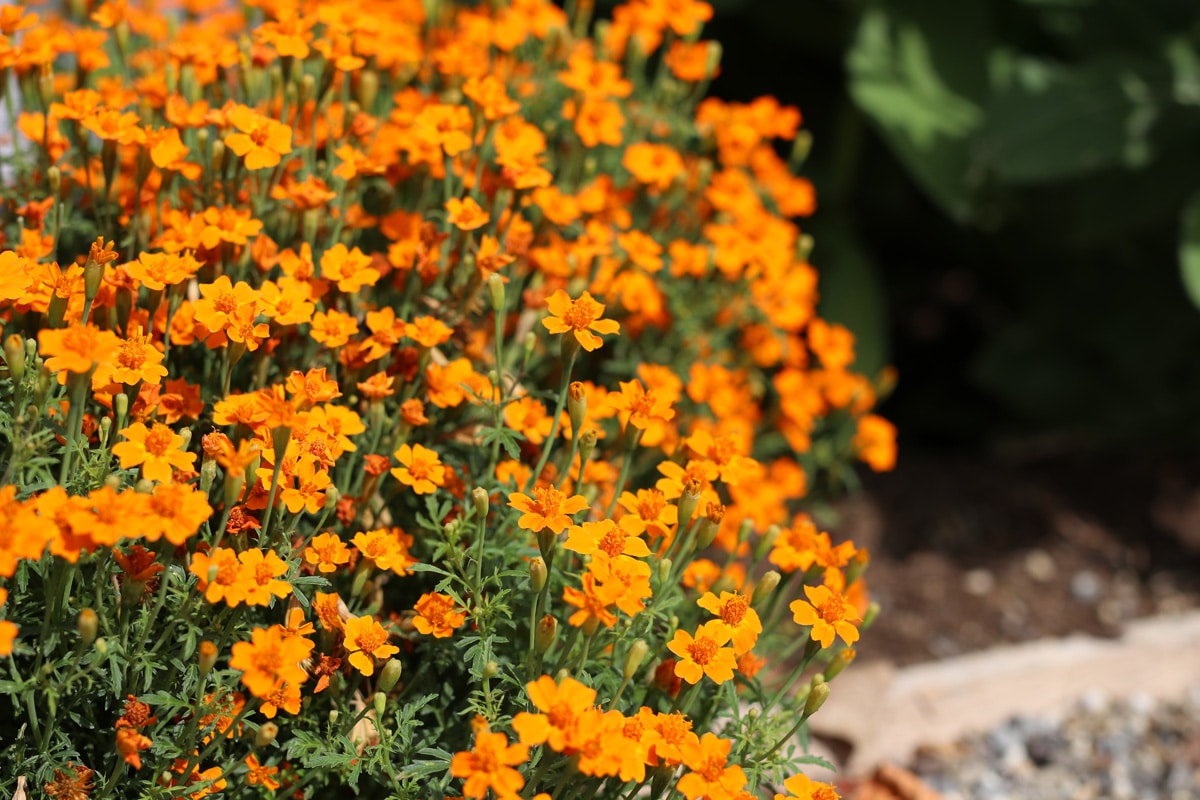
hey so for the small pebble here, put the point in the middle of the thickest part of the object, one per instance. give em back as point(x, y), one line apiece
point(978, 582)
point(1040, 566)
point(1085, 586)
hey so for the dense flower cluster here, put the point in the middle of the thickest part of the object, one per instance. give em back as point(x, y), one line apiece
point(352, 349)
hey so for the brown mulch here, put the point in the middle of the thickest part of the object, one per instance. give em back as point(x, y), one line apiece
point(971, 553)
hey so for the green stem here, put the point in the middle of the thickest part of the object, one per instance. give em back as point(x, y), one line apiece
point(558, 410)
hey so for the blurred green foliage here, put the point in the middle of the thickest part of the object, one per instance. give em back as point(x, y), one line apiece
point(1017, 183)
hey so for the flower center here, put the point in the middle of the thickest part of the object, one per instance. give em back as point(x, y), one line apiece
point(613, 542)
point(702, 650)
point(546, 501)
point(132, 355)
point(226, 302)
point(370, 641)
point(651, 504)
point(263, 574)
point(580, 315)
point(158, 440)
point(734, 610)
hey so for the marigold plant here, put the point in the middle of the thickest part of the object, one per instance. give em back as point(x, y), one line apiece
point(417, 397)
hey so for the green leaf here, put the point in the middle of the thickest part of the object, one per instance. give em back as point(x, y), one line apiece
point(1048, 122)
point(916, 70)
point(1189, 249)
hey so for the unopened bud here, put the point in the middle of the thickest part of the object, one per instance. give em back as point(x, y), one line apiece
point(664, 570)
point(587, 444)
point(390, 675)
point(490, 670)
point(870, 617)
point(495, 284)
point(710, 526)
point(368, 88)
point(101, 646)
point(634, 658)
point(87, 624)
point(207, 658)
point(529, 344)
point(818, 693)
point(766, 542)
point(333, 716)
point(562, 675)
point(54, 177)
point(547, 630)
point(538, 573)
point(120, 403)
point(331, 496)
point(14, 356)
point(380, 701)
point(482, 501)
point(308, 87)
point(688, 502)
point(266, 734)
point(576, 404)
point(839, 662)
point(766, 585)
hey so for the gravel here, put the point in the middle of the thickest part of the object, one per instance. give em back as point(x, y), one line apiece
point(1127, 749)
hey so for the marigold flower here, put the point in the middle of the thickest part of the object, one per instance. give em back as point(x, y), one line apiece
point(548, 508)
point(73, 783)
point(640, 407)
point(260, 577)
point(367, 640)
point(606, 537)
point(270, 658)
point(711, 775)
point(8, 629)
point(261, 141)
point(422, 468)
point(489, 765)
point(466, 214)
point(77, 348)
point(130, 743)
point(801, 787)
point(528, 416)
point(875, 441)
point(386, 548)
point(735, 612)
point(828, 613)
point(655, 165)
point(326, 552)
point(705, 653)
point(428, 331)
point(351, 269)
point(220, 576)
point(563, 706)
point(156, 449)
point(580, 317)
point(261, 775)
point(437, 615)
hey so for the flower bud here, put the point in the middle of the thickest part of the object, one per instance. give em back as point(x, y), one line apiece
point(547, 630)
point(14, 356)
point(266, 734)
point(869, 617)
point(562, 675)
point(710, 525)
point(529, 344)
point(576, 404)
point(368, 88)
point(587, 444)
point(495, 285)
point(664, 571)
point(839, 662)
point(87, 624)
point(207, 658)
point(766, 585)
point(688, 501)
point(482, 501)
point(54, 178)
point(634, 658)
point(538, 573)
point(818, 693)
point(490, 670)
point(333, 716)
point(120, 403)
point(101, 646)
point(380, 701)
point(331, 496)
point(390, 675)
point(766, 542)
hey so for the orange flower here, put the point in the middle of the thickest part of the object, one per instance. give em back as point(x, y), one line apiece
point(639, 406)
point(581, 316)
point(828, 613)
point(649, 512)
point(8, 630)
point(705, 653)
point(350, 268)
point(136, 359)
point(262, 141)
point(655, 165)
point(156, 449)
point(270, 658)
point(428, 331)
point(219, 574)
point(259, 774)
point(259, 577)
point(77, 348)
point(326, 551)
point(445, 384)
point(386, 548)
point(593, 601)
point(333, 328)
point(606, 537)
point(220, 302)
point(548, 508)
point(563, 706)
point(466, 214)
point(422, 468)
point(310, 493)
point(437, 616)
point(489, 94)
point(528, 416)
point(130, 743)
point(875, 441)
point(711, 775)
point(367, 640)
point(490, 766)
point(735, 612)
point(801, 787)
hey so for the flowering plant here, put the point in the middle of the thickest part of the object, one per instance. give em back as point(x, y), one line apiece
point(428, 405)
